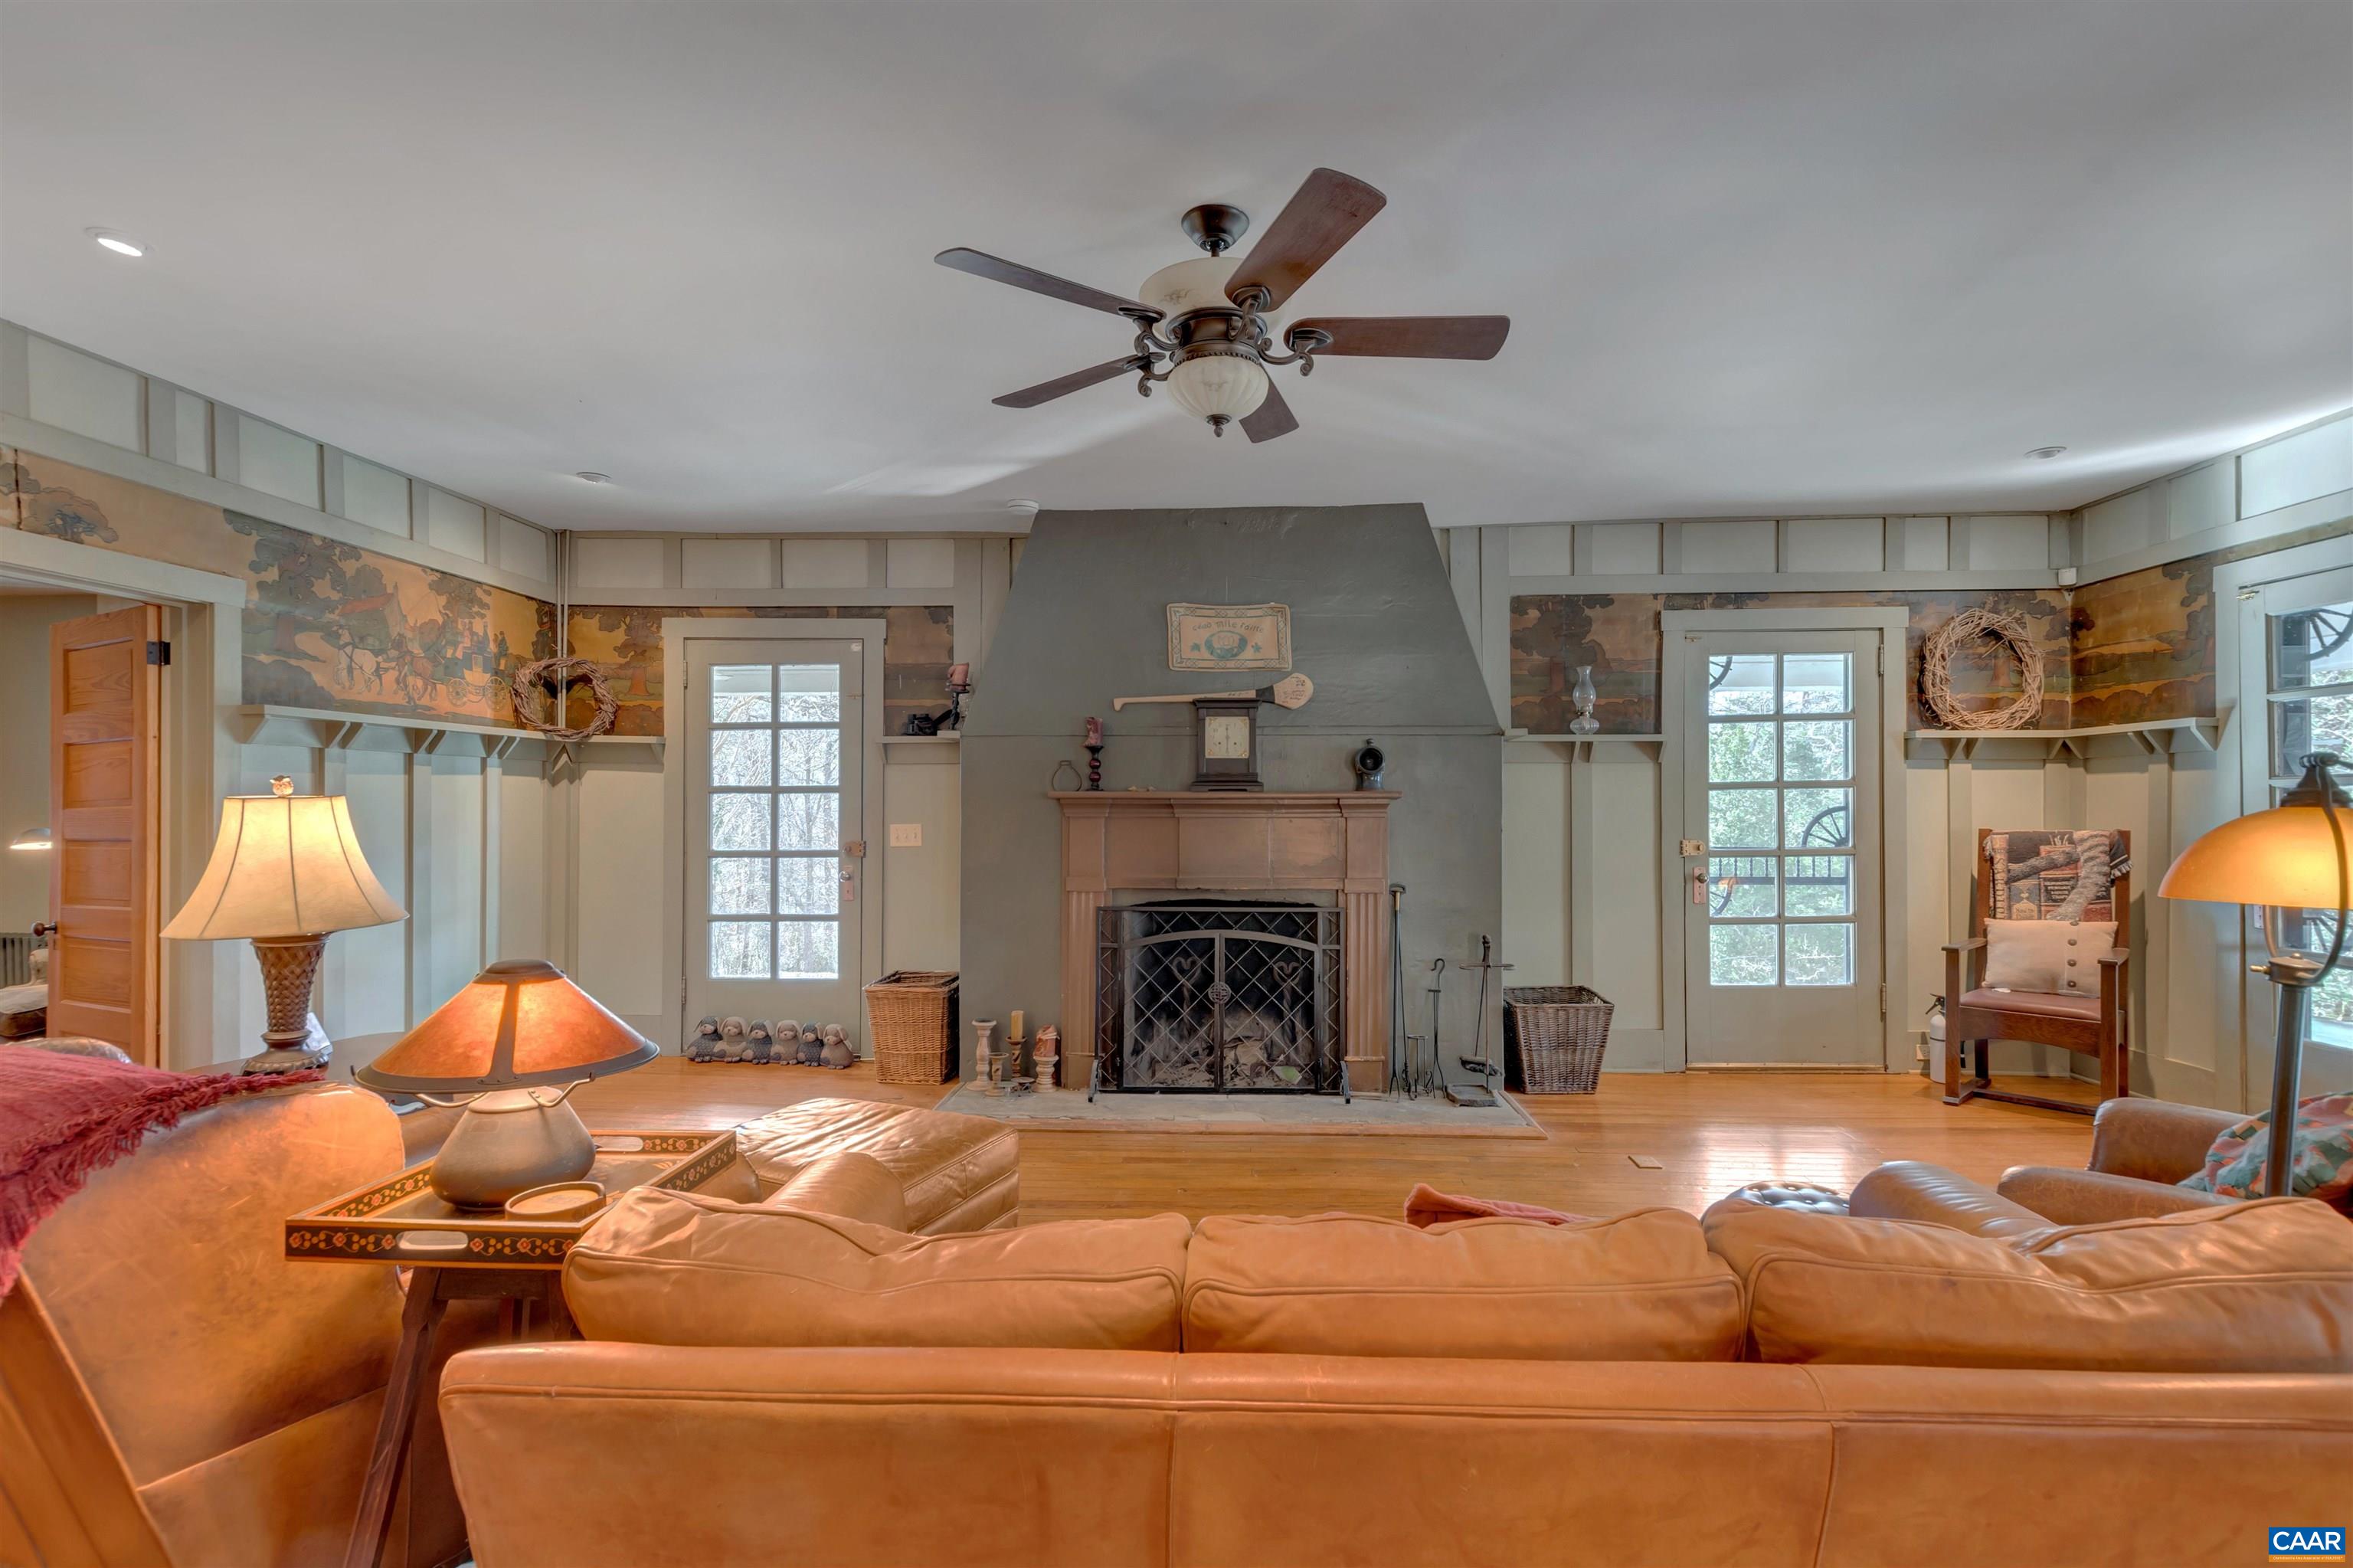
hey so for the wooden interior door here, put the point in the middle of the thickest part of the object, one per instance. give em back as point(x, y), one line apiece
point(104, 706)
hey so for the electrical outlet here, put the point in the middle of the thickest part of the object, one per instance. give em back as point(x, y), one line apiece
point(906, 835)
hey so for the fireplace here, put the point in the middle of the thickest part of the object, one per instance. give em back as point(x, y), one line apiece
point(1225, 998)
point(1281, 898)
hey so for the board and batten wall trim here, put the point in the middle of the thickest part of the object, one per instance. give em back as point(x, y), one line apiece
point(67, 403)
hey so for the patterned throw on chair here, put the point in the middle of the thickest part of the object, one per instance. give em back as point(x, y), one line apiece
point(2054, 874)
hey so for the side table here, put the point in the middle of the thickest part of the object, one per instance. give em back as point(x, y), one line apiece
point(457, 1255)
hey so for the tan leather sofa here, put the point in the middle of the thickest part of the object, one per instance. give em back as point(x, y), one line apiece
point(174, 1391)
point(982, 1447)
point(2140, 1149)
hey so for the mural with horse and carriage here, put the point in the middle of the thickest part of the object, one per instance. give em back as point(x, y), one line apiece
point(326, 624)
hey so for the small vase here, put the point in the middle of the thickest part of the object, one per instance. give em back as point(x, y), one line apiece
point(1583, 696)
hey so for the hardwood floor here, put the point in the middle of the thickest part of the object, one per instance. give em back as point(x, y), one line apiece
point(1709, 1132)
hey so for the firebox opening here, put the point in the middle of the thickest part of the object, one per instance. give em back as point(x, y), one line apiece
point(1229, 997)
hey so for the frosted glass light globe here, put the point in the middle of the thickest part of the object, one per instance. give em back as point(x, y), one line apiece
point(1219, 386)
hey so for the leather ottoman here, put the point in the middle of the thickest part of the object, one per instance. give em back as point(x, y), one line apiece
point(959, 1172)
point(1808, 1196)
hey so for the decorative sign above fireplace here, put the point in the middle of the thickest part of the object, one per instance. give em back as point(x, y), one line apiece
point(1229, 637)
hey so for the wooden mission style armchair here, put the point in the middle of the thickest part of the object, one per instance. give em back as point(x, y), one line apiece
point(2043, 874)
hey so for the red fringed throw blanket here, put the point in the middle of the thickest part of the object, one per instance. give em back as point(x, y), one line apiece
point(63, 1117)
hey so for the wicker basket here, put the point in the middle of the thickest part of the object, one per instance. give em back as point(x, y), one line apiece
point(1554, 1036)
point(911, 1017)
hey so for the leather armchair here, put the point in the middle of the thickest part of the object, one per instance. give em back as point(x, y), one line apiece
point(2139, 1149)
point(175, 1391)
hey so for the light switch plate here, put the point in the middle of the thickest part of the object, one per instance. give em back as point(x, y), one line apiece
point(906, 835)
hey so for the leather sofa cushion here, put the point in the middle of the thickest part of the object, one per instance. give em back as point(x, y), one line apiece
point(678, 1268)
point(2264, 1286)
point(852, 1185)
point(1639, 1287)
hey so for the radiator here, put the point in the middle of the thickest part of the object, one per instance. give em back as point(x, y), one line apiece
point(16, 957)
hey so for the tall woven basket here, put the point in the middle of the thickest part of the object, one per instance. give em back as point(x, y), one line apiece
point(1554, 1036)
point(911, 1017)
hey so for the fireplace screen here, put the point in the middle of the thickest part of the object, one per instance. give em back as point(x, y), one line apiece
point(1223, 998)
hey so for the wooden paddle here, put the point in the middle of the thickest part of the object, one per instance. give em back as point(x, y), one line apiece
point(1291, 691)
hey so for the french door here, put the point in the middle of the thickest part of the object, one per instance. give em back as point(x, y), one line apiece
point(775, 831)
point(1780, 888)
point(2305, 667)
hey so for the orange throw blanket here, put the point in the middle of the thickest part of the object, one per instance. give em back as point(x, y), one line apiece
point(63, 1117)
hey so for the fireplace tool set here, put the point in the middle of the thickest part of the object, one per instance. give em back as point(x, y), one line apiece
point(1414, 1059)
point(1481, 1093)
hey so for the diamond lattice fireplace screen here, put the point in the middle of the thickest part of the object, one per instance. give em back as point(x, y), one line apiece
point(1222, 998)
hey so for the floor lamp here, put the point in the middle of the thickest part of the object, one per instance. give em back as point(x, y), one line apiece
point(2290, 863)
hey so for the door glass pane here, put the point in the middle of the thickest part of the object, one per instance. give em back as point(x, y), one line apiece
point(1816, 818)
point(739, 821)
point(1817, 749)
point(809, 884)
point(808, 694)
point(2303, 725)
point(807, 949)
point(738, 885)
point(1819, 884)
point(1742, 886)
point(2313, 647)
point(740, 694)
point(1740, 818)
point(809, 756)
point(808, 821)
point(1820, 954)
point(1741, 955)
point(739, 949)
point(1815, 683)
point(1740, 753)
point(1740, 683)
point(739, 758)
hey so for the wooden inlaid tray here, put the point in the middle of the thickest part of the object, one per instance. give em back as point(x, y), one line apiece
point(402, 1219)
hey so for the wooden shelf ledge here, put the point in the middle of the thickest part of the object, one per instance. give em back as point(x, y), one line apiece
point(2153, 736)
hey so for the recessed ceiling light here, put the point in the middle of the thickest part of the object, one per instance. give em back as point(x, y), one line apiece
point(2046, 453)
point(119, 243)
point(591, 476)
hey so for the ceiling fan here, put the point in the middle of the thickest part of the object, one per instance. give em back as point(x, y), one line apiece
point(1206, 319)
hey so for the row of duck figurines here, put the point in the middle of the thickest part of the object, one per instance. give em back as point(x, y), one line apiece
point(801, 1045)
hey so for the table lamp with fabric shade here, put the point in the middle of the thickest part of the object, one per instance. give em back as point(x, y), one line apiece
point(286, 871)
point(2290, 862)
point(511, 1046)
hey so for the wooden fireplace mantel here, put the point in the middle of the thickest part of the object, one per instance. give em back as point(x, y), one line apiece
point(1231, 841)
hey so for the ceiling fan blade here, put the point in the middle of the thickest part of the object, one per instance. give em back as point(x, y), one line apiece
point(1271, 418)
point(980, 264)
point(1077, 380)
point(1324, 215)
point(1410, 338)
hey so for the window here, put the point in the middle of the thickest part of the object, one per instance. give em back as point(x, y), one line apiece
point(2309, 703)
point(773, 882)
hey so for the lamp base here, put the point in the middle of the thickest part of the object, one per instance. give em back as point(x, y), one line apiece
point(508, 1141)
point(289, 967)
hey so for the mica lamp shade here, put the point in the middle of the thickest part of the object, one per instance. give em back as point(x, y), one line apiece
point(519, 1023)
point(2285, 858)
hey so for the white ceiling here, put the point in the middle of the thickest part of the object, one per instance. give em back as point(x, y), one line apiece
point(1760, 258)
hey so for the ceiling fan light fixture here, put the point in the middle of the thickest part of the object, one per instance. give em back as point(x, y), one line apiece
point(1218, 387)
